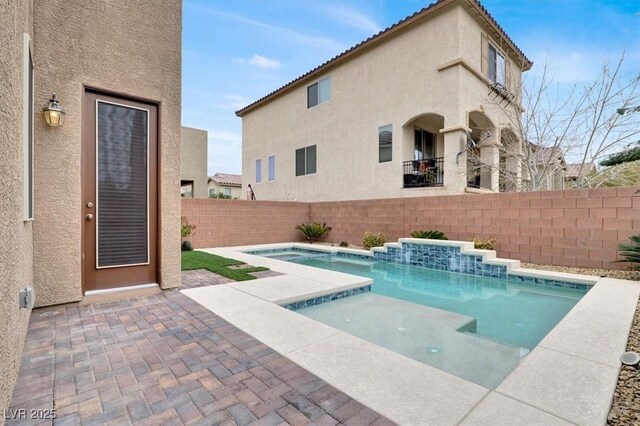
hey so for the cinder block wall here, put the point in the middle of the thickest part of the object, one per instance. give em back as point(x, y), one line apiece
point(568, 228)
point(222, 222)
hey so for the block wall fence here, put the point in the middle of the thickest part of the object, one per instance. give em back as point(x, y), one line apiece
point(567, 228)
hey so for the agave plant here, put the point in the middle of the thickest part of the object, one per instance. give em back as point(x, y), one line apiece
point(631, 252)
point(313, 231)
point(430, 235)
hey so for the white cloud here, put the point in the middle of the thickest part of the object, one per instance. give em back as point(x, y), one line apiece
point(264, 62)
point(352, 17)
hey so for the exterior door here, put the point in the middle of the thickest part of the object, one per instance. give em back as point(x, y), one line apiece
point(119, 192)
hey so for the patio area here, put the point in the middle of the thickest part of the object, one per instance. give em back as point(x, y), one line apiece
point(165, 359)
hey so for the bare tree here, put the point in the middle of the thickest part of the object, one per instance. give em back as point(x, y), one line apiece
point(581, 125)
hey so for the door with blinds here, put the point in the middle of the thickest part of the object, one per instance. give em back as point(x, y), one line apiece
point(120, 192)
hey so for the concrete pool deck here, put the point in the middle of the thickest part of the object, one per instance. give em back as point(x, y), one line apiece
point(569, 378)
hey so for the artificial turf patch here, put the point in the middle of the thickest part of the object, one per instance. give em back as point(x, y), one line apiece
point(217, 264)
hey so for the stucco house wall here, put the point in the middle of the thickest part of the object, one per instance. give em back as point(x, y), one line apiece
point(193, 159)
point(236, 191)
point(133, 48)
point(432, 67)
point(16, 237)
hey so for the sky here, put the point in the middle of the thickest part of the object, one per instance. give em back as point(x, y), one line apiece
point(237, 51)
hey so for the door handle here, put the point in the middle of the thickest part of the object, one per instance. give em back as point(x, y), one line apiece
point(89, 217)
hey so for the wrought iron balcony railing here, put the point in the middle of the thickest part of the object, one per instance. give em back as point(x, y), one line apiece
point(423, 173)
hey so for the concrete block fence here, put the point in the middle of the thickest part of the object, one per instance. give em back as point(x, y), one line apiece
point(568, 228)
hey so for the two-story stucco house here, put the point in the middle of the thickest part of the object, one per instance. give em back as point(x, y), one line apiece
point(429, 106)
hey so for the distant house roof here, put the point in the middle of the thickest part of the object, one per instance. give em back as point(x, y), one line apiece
point(226, 179)
point(475, 5)
point(572, 171)
point(542, 155)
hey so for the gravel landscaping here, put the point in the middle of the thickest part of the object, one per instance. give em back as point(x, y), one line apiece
point(609, 273)
point(626, 400)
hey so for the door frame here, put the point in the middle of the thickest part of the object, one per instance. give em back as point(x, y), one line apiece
point(83, 163)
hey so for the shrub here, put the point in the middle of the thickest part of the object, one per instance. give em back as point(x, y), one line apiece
point(631, 252)
point(187, 228)
point(373, 240)
point(186, 246)
point(481, 244)
point(344, 244)
point(220, 195)
point(430, 235)
point(313, 231)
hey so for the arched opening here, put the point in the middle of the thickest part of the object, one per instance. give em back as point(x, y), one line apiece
point(423, 164)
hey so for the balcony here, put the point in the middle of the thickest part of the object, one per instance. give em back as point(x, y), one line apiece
point(423, 173)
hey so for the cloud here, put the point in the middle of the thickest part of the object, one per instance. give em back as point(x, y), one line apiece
point(233, 102)
point(352, 17)
point(264, 62)
point(288, 34)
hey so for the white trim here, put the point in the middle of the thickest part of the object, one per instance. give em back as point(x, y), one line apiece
point(98, 101)
point(27, 98)
point(117, 289)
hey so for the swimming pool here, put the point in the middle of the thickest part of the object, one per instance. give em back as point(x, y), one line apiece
point(476, 327)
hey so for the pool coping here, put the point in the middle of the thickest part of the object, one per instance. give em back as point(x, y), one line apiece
point(570, 377)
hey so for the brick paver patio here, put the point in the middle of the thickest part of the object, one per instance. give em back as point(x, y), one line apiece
point(164, 359)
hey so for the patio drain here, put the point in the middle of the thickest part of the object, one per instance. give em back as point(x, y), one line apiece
point(630, 358)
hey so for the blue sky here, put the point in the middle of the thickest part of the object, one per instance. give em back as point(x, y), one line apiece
point(236, 51)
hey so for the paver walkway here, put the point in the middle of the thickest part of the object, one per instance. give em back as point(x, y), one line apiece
point(164, 359)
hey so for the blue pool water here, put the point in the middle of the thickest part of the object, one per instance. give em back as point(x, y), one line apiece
point(478, 328)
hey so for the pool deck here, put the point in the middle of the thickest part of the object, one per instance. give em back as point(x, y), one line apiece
point(569, 378)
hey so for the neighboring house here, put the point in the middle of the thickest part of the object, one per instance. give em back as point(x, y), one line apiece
point(91, 204)
point(228, 184)
point(193, 162)
point(574, 172)
point(547, 168)
point(395, 115)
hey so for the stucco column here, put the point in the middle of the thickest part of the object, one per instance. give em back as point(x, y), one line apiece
point(490, 159)
point(455, 160)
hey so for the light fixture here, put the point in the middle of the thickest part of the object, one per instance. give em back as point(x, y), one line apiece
point(53, 113)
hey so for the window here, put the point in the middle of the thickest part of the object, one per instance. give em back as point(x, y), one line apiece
point(258, 171)
point(319, 92)
point(272, 168)
point(27, 128)
point(186, 188)
point(306, 160)
point(496, 70)
point(385, 137)
point(227, 192)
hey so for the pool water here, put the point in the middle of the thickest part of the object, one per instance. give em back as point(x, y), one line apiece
point(477, 328)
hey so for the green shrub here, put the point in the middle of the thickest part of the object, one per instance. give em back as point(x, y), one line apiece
point(373, 240)
point(344, 244)
point(481, 244)
point(186, 246)
point(220, 195)
point(631, 252)
point(313, 231)
point(430, 235)
point(187, 228)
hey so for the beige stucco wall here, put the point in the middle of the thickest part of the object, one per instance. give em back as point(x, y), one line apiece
point(393, 83)
point(236, 191)
point(16, 261)
point(193, 159)
point(123, 46)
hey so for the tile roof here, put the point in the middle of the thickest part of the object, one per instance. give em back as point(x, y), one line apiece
point(227, 179)
point(542, 154)
point(379, 37)
point(572, 171)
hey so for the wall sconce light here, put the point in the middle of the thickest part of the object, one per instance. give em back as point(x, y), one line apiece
point(53, 113)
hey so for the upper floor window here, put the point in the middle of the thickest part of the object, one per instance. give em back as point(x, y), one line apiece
point(319, 92)
point(272, 168)
point(258, 171)
point(306, 160)
point(497, 66)
point(385, 136)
